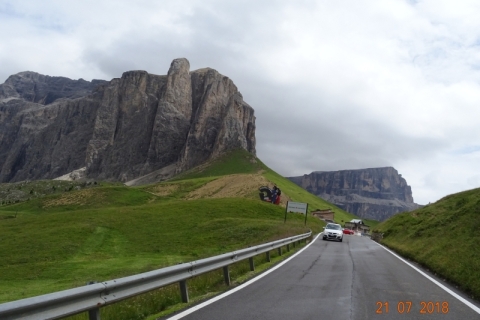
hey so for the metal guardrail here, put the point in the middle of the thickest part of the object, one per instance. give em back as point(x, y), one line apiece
point(94, 296)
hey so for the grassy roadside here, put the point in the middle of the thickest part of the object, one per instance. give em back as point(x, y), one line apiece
point(242, 274)
point(165, 301)
point(443, 237)
point(106, 231)
point(49, 251)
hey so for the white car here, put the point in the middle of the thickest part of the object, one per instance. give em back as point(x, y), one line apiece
point(333, 231)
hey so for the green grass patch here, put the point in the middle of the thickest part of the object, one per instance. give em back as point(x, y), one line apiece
point(371, 223)
point(443, 237)
point(83, 199)
point(64, 249)
point(12, 193)
point(236, 161)
point(164, 301)
point(177, 189)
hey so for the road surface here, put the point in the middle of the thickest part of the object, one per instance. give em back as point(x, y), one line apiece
point(354, 279)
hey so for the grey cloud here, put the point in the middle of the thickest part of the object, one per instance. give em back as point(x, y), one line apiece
point(326, 96)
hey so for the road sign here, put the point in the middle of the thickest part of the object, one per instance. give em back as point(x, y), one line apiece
point(299, 207)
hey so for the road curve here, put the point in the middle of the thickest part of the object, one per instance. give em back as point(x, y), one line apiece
point(355, 279)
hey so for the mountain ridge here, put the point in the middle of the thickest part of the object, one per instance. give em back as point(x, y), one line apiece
point(372, 193)
point(120, 129)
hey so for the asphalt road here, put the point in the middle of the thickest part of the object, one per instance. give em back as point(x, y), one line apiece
point(354, 279)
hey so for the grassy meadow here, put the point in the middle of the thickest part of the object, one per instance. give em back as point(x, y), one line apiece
point(443, 237)
point(64, 240)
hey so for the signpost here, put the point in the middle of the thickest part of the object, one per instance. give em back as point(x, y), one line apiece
point(299, 207)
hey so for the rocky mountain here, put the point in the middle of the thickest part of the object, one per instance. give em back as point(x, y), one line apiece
point(121, 129)
point(374, 193)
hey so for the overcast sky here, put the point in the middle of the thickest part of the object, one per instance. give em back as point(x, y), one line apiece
point(335, 84)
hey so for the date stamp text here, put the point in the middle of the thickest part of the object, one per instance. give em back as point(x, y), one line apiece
point(405, 307)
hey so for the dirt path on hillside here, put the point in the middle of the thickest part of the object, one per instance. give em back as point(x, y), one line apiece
point(235, 185)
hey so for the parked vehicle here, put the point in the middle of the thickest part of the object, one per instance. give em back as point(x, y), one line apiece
point(348, 231)
point(333, 231)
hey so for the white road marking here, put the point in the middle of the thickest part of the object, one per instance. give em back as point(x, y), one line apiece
point(466, 302)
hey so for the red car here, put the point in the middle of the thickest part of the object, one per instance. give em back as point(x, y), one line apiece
point(347, 231)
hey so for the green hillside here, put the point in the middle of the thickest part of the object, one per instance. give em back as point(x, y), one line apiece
point(236, 161)
point(240, 161)
point(444, 237)
point(61, 240)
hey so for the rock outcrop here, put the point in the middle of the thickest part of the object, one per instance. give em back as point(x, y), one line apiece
point(120, 129)
point(34, 87)
point(374, 193)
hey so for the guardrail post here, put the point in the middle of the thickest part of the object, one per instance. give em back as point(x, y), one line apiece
point(294, 243)
point(252, 265)
point(226, 275)
point(93, 314)
point(280, 251)
point(268, 256)
point(288, 247)
point(184, 291)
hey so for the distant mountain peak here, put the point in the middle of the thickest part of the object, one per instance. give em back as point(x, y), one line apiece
point(372, 193)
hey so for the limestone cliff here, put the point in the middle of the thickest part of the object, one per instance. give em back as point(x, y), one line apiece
point(374, 193)
point(120, 129)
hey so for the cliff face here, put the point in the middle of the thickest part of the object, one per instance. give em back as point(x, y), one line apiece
point(121, 129)
point(375, 193)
